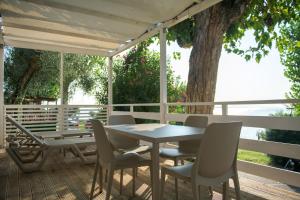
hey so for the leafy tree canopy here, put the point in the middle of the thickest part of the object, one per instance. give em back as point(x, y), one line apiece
point(290, 50)
point(28, 76)
point(80, 72)
point(266, 18)
point(136, 78)
point(34, 75)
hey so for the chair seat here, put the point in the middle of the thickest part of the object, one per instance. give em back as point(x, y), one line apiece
point(174, 153)
point(182, 171)
point(130, 160)
point(140, 149)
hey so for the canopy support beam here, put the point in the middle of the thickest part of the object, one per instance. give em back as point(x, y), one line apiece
point(61, 92)
point(163, 76)
point(2, 119)
point(110, 87)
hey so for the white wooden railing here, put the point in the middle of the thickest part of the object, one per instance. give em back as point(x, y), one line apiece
point(267, 147)
point(38, 118)
point(66, 117)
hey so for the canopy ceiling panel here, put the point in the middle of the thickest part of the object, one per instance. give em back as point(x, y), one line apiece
point(99, 27)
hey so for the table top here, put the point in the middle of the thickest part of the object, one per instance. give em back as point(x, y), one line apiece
point(158, 132)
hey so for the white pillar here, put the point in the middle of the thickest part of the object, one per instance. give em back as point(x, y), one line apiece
point(61, 92)
point(2, 122)
point(163, 76)
point(110, 89)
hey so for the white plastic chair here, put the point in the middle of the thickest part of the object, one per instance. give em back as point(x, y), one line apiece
point(111, 162)
point(123, 143)
point(185, 149)
point(189, 148)
point(215, 162)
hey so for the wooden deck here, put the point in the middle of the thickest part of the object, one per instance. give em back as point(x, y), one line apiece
point(68, 178)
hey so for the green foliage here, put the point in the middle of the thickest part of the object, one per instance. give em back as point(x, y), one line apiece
point(136, 79)
point(290, 57)
point(284, 136)
point(42, 85)
point(266, 19)
point(253, 156)
point(183, 33)
point(45, 83)
point(80, 71)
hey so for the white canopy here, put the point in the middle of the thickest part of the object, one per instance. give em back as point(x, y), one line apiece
point(97, 27)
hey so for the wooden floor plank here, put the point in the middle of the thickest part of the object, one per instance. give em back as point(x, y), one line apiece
point(25, 186)
point(49, 190)
point(74, 183)
point(12, 187)
point(67, 178)
point(4, 171)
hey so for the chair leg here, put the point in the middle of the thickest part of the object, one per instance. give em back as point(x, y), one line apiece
point(100, 179)
point(225, 190)
point(109, 184)
point(94, 179)
point(163, 180)
point(176, 181)
point(121, 181)
point(151, 180)
point(134, 171)
point(237, 186)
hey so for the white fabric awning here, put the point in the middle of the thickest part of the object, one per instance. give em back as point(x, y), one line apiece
point(97, 27)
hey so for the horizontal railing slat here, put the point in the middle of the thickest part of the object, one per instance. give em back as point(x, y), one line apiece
point(80, 114)
point(270, 122)
point(273, 148)
point(281, 175)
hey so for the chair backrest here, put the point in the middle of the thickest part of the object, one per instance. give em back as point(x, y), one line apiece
point(120, 119)
point(104, 148)
point(24, 130)
point(117, 140)
point(196, 121)
point(192, 146)
point(218, 150)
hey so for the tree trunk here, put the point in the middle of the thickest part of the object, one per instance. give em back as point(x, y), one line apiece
point(66, 92)
point(33, 67)
point(210, 27)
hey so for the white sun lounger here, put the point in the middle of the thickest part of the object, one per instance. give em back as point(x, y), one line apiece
point(30, 151)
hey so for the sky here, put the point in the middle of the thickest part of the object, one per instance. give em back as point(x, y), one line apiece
point(237, 80)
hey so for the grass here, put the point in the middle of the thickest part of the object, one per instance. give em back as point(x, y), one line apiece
point(255, 157)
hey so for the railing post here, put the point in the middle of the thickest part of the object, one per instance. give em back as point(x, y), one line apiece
point(163, 75)
point(61, 107)
point(110, 86)
point(224, 109)
point(2, 119)
point(131, 109)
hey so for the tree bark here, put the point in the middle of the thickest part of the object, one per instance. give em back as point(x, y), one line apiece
point(33, 67)
point(66, 92)
point(210, 26)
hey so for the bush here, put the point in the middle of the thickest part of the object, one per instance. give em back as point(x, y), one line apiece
point(284, 136)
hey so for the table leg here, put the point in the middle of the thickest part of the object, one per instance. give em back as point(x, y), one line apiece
point(155, 171)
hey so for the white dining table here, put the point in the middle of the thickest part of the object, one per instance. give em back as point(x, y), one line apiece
point(156, 134)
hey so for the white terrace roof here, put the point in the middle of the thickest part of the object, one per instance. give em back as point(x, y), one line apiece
point(101, 27)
